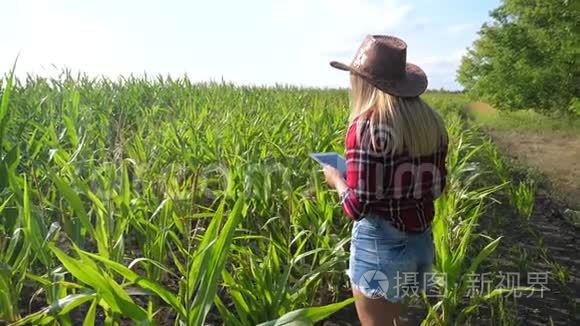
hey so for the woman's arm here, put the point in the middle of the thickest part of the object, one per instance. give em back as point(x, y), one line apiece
point(363, 175)
point(350, 204)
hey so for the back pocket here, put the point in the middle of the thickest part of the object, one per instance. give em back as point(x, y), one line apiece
point(392, 243)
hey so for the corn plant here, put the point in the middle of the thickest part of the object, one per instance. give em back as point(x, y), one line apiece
point(99, 287)
point(454, 229)
point(498, 163)
point(523, 197)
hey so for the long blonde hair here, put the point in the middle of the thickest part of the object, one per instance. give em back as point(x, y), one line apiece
point(412, 125)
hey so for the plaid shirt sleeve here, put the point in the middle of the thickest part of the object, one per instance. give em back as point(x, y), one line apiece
point(363, 169)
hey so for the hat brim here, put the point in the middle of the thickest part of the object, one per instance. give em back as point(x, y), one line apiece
point(413, 84)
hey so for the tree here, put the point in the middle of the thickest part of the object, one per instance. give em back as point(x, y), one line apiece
point(526, 58)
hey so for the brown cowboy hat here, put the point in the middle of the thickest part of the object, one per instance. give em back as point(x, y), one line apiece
point(382, 61)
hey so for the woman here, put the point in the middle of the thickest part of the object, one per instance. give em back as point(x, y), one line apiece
point(395, 149)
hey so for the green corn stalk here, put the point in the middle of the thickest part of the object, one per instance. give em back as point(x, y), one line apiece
point(4, 113)
point(454, 230)
point(523, 197)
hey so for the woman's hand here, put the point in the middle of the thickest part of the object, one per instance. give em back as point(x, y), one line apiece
point(334, 178)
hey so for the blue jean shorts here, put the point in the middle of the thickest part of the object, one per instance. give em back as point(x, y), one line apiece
point(388, 263)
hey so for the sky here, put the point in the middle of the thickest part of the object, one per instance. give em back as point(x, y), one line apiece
point(256, 42)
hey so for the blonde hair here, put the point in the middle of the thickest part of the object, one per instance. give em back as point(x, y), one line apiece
point(412, 125)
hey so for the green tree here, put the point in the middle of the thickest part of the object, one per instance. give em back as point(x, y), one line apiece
point(526, 57)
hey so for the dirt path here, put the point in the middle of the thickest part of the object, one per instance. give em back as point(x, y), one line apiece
point(555, 154)
point(550, 241)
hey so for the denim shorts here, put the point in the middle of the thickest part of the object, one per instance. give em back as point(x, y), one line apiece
point(389, 263)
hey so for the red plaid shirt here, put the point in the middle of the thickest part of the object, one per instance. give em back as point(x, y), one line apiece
point(397, 187)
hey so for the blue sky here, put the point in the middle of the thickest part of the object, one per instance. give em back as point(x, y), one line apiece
point(248, 42)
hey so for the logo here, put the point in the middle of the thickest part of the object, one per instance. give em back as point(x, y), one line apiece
point(374, 283)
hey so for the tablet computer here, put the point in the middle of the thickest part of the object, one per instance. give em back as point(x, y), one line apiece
point(332, 158)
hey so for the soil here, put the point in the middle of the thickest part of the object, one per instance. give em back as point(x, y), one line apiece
point(547, 243)
point(556, 155)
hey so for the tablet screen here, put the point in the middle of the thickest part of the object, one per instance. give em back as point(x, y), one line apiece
point(333, 159)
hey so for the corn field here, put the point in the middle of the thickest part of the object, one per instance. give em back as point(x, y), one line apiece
point(161, 201)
